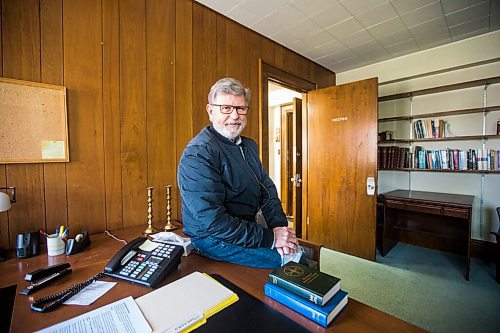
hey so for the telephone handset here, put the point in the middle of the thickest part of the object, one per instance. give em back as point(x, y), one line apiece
point(117, 258)
point(144, 261)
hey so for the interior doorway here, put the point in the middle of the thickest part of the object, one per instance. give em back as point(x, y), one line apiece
point(284, 147)
point(339, 137)
point(296, 88)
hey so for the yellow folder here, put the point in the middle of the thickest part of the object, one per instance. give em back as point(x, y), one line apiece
point(185, 304)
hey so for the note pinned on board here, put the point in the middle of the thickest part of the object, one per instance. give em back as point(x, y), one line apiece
point(53, 149)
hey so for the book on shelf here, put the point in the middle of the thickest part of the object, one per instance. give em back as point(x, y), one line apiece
point(308, 283)
point(426, 129)
point(322, 315)
point(393, 157)
point(456, 159)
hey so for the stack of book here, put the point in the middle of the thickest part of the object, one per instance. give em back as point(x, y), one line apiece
point(456, 159)
point(393, 157)
point(425, 129)
point(313, 294)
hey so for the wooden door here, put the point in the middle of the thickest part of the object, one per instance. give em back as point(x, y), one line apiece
point(341, 154)
point(286, 166)
point(291, 163)
point(296, 179)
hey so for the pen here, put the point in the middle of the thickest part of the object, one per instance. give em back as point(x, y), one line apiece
point(61, 230)
point(44, 233)
point(65, 233)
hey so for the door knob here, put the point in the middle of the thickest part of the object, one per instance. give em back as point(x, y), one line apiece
point(296, 180)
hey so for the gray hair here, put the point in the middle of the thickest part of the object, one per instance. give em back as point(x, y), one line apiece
point(230, 86)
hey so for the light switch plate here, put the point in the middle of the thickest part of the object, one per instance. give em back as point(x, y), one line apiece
point(370, 185)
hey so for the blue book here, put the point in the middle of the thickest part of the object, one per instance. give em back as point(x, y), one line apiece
point(322, 315)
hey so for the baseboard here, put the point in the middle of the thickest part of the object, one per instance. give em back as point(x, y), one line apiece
point(483, 250)
point(479, 249)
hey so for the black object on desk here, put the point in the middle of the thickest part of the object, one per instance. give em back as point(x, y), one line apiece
point(28, 244)
point(148, 265)
point(248, 314)
point(44, 272)
point(43, 276)
point(80, 242)
point(34, 286)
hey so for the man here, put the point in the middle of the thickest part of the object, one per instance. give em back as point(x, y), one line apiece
point(223, 186)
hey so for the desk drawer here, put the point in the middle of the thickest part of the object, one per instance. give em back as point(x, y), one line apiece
point(422, 208)
point(395, 204)
point(456, 212)
point(415, 207)
point(462, 213)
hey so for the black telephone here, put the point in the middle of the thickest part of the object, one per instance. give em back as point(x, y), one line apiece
point(148, 265)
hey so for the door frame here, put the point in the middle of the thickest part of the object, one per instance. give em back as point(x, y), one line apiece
point(271, 73)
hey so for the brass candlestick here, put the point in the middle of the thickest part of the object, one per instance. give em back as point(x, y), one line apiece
point(169, 226)
point(150, 230)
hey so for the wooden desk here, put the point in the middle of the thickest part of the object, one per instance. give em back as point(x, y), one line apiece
point(429, 213)
point(357, 317)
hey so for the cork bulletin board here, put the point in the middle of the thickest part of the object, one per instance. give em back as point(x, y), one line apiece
point(33, 122)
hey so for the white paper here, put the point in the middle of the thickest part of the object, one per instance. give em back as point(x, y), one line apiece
point(292, 257)
point(121, 316)
point(172, 238)
point(53, 149)
point(90, 293)
point(148, 246)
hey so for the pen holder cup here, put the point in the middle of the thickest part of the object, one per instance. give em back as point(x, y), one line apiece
point(55, 245)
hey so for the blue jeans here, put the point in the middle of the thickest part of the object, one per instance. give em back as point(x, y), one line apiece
point(216, 249)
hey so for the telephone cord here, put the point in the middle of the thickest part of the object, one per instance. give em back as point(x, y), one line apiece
point(57, 299)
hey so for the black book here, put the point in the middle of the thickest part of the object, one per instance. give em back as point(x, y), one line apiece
point(308, 283)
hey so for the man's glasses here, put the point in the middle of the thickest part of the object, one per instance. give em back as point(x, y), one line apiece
point(228, 109)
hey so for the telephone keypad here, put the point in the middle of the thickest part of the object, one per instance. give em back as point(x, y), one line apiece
point(144, 266)
point(163, 250)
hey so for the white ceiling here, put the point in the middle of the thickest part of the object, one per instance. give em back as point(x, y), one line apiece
point(279, 95)
point(347, 34)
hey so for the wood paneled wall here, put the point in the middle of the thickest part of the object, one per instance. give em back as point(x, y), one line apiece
point(137, 74)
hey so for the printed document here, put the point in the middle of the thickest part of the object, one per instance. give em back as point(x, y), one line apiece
point(122, 316)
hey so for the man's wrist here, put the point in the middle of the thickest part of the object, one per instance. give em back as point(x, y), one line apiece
point(267, 239)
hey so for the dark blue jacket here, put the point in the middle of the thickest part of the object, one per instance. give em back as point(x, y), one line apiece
point(222, 191)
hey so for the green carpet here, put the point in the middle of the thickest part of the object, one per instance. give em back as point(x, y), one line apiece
point(422, 286)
